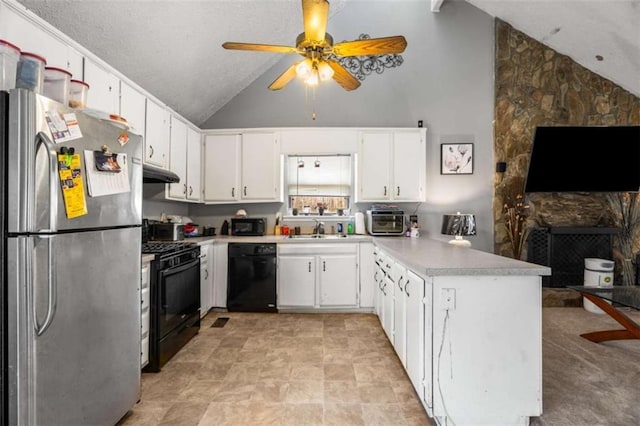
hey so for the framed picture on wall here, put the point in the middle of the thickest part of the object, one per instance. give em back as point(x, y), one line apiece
point(456, 159)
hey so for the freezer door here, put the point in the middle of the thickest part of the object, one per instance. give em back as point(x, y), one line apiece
point(74, 321)
point(34, 188)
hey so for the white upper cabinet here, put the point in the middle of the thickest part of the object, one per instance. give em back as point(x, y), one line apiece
point(157, 131)
point(133, 107)
point(261, 172)
point(194, 161)
point(242, 167)
point(104, 88)
point(221, 167)
point(184, 160)
point(374, 167)
point(409, 166)
point(391, 165)
point(31, 34)
point(178, 159)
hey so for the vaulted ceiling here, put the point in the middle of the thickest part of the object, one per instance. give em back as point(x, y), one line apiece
point(173, 48)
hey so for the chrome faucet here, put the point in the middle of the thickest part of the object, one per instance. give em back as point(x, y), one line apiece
point(319, 228)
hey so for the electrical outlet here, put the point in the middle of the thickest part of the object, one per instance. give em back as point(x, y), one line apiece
point(448, 299)
point(420, 123)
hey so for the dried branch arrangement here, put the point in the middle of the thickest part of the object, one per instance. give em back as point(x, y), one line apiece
point(516, 212)
point(626, 216)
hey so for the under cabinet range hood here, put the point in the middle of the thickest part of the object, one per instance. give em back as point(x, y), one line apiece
point(153, 174)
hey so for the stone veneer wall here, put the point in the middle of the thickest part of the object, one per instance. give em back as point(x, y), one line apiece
point(535, 85)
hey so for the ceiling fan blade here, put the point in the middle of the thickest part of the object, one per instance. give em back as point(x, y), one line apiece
point(315, 14)
point(274, 48)
point(343, 77)
point(284, 78)
point(372, 46)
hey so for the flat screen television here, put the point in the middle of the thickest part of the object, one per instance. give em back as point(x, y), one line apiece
point(585, 159)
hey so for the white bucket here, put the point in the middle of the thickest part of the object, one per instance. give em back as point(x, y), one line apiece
point(597, 273)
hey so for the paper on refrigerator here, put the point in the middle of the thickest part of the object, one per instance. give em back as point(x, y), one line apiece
point(101, 183)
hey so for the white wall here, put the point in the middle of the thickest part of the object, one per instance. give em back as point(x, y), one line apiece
point(446, 80)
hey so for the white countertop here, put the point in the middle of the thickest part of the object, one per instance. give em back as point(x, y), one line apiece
point(423, 255)
point(279, 239)
point(431, 257)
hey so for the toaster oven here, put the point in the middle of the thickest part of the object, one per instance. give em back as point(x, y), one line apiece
point(385, 222)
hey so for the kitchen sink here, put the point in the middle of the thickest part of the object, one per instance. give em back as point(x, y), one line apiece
point(318, 236)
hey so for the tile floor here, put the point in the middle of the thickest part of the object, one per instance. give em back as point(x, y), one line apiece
point(282, 369)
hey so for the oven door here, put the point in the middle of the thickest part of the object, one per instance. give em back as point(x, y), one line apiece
point(179, 295)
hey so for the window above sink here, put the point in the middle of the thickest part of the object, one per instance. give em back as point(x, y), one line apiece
point(319, 184)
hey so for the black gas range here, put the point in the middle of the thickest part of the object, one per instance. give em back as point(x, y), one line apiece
point(170, 249)
point(175, 298)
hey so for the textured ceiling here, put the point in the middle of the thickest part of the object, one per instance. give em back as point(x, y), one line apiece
point(601, 35)
point(173, 48)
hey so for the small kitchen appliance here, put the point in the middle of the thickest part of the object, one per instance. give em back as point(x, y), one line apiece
point(248, 226)
point(388, 221)
point(597, 273)
point(167, 231)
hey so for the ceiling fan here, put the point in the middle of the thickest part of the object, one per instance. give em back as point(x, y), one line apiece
point(316, 46)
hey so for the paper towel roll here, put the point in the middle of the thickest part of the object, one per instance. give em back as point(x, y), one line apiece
point(360, 228)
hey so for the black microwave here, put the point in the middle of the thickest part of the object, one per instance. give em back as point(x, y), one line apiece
point(248, 226)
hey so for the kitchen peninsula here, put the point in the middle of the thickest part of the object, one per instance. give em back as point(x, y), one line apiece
point(465, 324)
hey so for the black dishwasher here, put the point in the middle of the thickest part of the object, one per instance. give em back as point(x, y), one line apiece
point(251, 278)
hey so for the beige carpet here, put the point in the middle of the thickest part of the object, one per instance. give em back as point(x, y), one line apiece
point(587, 383)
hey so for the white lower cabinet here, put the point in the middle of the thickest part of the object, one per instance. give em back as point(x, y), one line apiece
point(297, 281)
point(379, 282)
point(338, 279)
point(414, 326)
point(145, 277)
point(453, 335)
point(206, 277)
point(366, 273)
point(318, 276)
point(387, 298)
point(398, 276)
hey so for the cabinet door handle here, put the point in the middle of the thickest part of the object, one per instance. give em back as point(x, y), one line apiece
point(233, 192)
point(190, 190)
point(151, 151)
point(309, 266)
point(184, 190)
point(324, 266)
point(245, 190)
point(206, 274)
point(385, 190)
point(399, 281)
point(406, 284)
point(398, 191)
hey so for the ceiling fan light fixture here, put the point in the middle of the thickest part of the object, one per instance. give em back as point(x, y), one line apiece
point(325, 72)
point(304, 69)
point(312, 80)
point(321, 56)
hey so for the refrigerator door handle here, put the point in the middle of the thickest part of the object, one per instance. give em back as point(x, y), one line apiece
point(42, 138)
point(52, 298)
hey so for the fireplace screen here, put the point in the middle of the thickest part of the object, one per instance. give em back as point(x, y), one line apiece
point(564, 249)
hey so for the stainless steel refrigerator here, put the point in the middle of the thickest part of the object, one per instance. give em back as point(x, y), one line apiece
point(71, 286)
